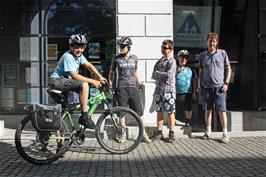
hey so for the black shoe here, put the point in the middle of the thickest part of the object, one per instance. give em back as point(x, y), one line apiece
point(59, 146)
point(188, 122)
point(157, 136)
point(171, 137)
point(87, 122)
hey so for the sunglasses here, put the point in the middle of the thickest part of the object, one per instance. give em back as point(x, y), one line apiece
point(122, 46)
point(165, 48)
point(184, 57)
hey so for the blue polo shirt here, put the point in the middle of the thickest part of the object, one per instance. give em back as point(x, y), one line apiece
point(213, 66)
point(68, 62)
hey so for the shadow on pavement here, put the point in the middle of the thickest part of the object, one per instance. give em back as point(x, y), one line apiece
point(185, 157)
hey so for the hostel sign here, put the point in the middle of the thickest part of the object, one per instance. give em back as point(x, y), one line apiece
point(192, 25)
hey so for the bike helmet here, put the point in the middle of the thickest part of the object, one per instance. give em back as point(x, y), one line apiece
point(182, 53)
point(77, 39)
point(124, 41)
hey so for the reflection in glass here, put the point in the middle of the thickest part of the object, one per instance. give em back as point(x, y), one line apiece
point(92, 18)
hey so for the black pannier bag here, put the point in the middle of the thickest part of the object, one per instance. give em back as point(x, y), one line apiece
point(47, 118)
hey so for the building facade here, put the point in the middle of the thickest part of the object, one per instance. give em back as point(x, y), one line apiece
point(34, 35)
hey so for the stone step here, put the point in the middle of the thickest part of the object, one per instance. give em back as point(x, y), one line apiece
point(2, 128)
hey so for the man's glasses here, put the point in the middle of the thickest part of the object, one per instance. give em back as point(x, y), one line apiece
point(165, 48)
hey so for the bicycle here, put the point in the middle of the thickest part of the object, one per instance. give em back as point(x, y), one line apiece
point(43, 147)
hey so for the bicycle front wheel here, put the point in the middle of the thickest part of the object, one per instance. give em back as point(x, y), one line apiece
point(40, 147)
point(119, 130)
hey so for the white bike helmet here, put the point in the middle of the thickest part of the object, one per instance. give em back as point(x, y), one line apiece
point(77, 39)
point(182, 53)
point(124, 41)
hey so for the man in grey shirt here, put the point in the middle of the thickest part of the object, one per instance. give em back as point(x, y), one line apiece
point(215, 73)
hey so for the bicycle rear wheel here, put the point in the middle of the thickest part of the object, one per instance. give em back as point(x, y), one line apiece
point(116, 135)
point(40, 147)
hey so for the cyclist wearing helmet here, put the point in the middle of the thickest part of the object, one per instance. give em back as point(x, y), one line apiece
point(66, 77)
point(186, 83)
point(127, 81)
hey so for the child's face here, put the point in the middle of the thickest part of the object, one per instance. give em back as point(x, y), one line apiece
point(166, 50)
point(182, 60)
point(78, 50)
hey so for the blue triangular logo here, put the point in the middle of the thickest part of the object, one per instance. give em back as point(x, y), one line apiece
point(190, 26)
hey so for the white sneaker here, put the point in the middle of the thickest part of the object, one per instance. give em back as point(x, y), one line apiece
point(225, 138)
point(146, 138)
point(123, 137)
point(207, 135)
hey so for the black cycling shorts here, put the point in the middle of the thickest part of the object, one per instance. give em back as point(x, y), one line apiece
point(184, 101)
point(129, 96)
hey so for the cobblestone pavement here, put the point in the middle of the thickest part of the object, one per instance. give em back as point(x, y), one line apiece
point(243, 156)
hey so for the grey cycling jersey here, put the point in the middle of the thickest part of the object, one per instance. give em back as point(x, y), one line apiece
point(125, 71)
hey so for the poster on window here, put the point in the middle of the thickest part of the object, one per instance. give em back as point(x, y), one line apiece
point(52, 52)
point(24, 47)
point(22, 96)
point(8, 98)
point(94, 50)
point(192, 25)
point(10, 75)
point(29, 49)
point(32, 74)
point(33, 95)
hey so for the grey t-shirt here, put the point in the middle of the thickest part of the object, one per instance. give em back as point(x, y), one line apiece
point(213, 66)
point(125, 71)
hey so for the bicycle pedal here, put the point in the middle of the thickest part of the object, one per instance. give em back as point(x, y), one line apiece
point(79, 137)
point(81, 140)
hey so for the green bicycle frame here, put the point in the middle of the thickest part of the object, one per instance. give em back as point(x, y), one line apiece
point(93, 103)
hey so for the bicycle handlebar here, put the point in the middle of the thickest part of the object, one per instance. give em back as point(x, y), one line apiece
point(105, 86)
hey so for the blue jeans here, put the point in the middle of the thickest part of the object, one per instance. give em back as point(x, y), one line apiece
point(214, 96)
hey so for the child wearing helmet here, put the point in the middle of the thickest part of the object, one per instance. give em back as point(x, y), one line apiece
point(66, 77)
point(186, 85)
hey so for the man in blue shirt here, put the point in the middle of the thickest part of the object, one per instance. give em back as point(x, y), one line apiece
point(66, 77)
point(215, 73)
